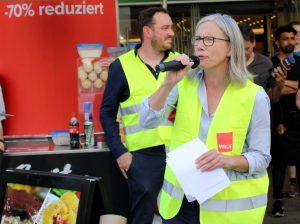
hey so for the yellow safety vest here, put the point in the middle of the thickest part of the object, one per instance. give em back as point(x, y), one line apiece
point(141, 85)
point(245, 200)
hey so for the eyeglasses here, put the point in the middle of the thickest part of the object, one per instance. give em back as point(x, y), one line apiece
point(207, 41)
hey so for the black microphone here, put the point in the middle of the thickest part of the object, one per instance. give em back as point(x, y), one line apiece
point(176, 65)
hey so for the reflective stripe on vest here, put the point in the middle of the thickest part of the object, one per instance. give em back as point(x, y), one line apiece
point(167, 148)
point(140, 87)
point(132, 129)
point(130, 110)
point(173, 191)
point(235, 205)
point(235, 175)
point(137, 128)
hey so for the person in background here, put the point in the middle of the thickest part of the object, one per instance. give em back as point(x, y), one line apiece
point(218, 104)
point(131, 78)
point(286, 147)
point(296, 26)
point(261, 66)
point(293, 186)
point(2, 110)
point(257, 64)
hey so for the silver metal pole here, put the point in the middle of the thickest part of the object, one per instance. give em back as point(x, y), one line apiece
point(164, 4)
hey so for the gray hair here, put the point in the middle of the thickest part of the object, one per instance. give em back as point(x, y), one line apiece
point(237, 62)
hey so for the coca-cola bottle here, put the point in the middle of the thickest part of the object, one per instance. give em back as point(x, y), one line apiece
point(74, 133)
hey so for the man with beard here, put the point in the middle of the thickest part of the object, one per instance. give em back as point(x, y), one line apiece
point(132, 77)
point(286, 118)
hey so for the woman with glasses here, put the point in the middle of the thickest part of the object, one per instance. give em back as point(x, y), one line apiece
point(218, 104)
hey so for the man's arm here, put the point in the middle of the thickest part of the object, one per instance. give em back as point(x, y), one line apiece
point(116, 91)
point(290, 87)
point(298, 99)
point(279, 75)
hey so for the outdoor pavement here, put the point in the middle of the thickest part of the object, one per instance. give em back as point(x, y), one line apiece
point(292, 212)
point(292, 208)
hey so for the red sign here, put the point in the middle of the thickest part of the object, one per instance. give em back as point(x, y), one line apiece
point(224, 142)
point(38, 70)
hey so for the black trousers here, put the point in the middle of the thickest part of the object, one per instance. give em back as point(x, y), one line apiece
point(145, 178)
point(188, 214)
point(278, 178)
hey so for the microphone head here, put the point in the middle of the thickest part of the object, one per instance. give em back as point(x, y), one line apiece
point(159, 68)
point(194, 59)
point(288, 62)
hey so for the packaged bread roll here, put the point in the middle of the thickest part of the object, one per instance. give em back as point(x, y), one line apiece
point(98, 83)
point(86, 84)
point(82, 75)
point(104, 75)
point(92, 76)
point(87, 65)
point(98, 67)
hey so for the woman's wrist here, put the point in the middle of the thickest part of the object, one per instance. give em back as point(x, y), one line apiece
point(237, 163)
point(168, 85)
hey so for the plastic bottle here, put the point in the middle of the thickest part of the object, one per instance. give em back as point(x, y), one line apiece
point(88, 125)
point(74, 133)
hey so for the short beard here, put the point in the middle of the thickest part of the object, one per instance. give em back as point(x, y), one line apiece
point(288, 49)
point(155, 45)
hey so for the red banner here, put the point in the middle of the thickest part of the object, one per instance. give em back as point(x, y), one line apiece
point(38, 70)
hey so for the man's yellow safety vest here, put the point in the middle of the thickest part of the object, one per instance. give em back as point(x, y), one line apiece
point(141, 84)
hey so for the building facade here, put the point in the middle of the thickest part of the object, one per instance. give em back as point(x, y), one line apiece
point(263, 15)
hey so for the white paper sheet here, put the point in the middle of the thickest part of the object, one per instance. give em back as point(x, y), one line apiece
point(195, 183)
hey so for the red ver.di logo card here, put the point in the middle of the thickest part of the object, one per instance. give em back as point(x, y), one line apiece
point(224, 141)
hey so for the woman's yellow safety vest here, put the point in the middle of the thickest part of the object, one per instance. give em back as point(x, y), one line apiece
point(245, 200)
point(141, 84)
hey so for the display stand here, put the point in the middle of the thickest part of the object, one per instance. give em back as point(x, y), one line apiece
point(91, 162)
point(40, 197)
